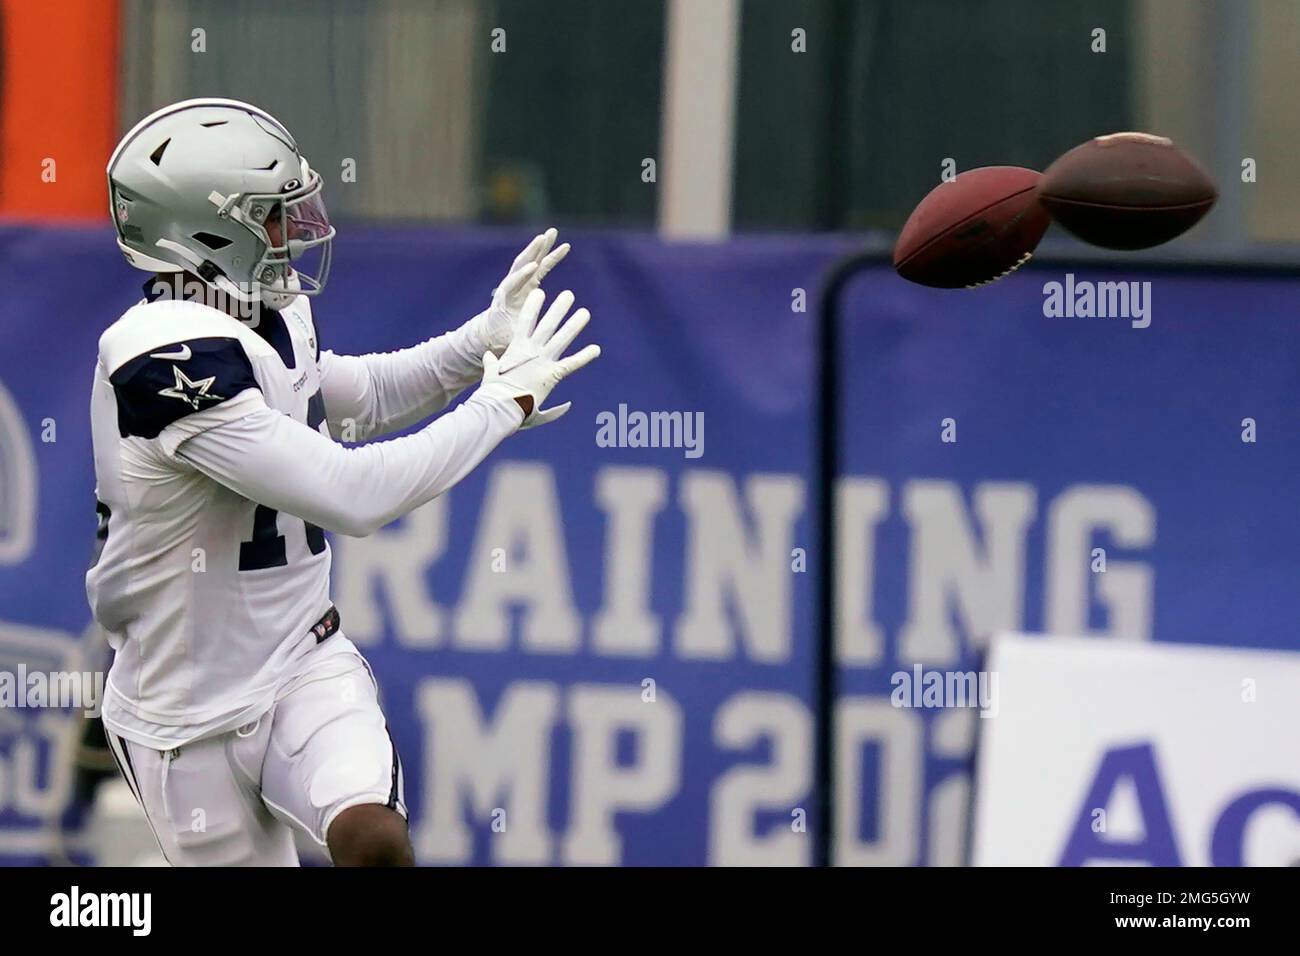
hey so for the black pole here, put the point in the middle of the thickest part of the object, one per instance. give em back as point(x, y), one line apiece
point(826, 463)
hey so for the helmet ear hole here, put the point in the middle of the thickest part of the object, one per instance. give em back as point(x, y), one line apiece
point(211, 240)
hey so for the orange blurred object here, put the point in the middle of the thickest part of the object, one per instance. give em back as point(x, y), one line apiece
point(58, 106)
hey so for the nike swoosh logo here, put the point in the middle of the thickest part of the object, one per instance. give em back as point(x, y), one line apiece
point(183, 355)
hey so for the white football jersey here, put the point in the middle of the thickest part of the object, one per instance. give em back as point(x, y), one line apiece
point(208, 598)
point(215, 475)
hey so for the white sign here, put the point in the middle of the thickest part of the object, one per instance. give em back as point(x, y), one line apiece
point(1106, 753)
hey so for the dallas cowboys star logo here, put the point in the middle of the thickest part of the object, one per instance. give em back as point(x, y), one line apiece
point(189, 391)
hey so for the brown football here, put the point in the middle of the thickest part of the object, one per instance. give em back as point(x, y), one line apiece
point(978, 227)
point(1127, 191)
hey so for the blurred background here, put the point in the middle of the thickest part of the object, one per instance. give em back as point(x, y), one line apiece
point(638, 687)
point(511, 111)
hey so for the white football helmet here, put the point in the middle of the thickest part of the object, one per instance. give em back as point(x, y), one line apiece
point(218, 188)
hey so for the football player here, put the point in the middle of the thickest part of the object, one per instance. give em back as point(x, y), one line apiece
point(235, 706)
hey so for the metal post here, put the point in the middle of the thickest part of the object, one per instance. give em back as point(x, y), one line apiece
point(826, 463)
point(701, 66)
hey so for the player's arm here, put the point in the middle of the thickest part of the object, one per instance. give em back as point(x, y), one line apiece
point(269, 458)
point(370, 395)
point(276, 461)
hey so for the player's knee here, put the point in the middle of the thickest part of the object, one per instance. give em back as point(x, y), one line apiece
point(370, 835)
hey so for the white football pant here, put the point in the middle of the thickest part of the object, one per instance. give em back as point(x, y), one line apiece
point(232, 799)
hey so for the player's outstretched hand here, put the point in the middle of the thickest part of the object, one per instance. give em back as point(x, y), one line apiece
point(526, 274)
point(534, 362)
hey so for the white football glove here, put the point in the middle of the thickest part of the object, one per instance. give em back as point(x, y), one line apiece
point(532, 364)
point(526, 274)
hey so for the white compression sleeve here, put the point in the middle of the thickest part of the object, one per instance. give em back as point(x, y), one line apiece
point(383, 392)
point(275, 461)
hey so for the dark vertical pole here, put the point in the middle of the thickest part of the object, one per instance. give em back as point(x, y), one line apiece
point(826, 464)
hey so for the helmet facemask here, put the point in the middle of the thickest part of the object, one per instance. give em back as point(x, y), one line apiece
point(294, 233)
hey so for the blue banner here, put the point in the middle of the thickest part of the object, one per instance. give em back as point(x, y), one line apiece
point(597, 648)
